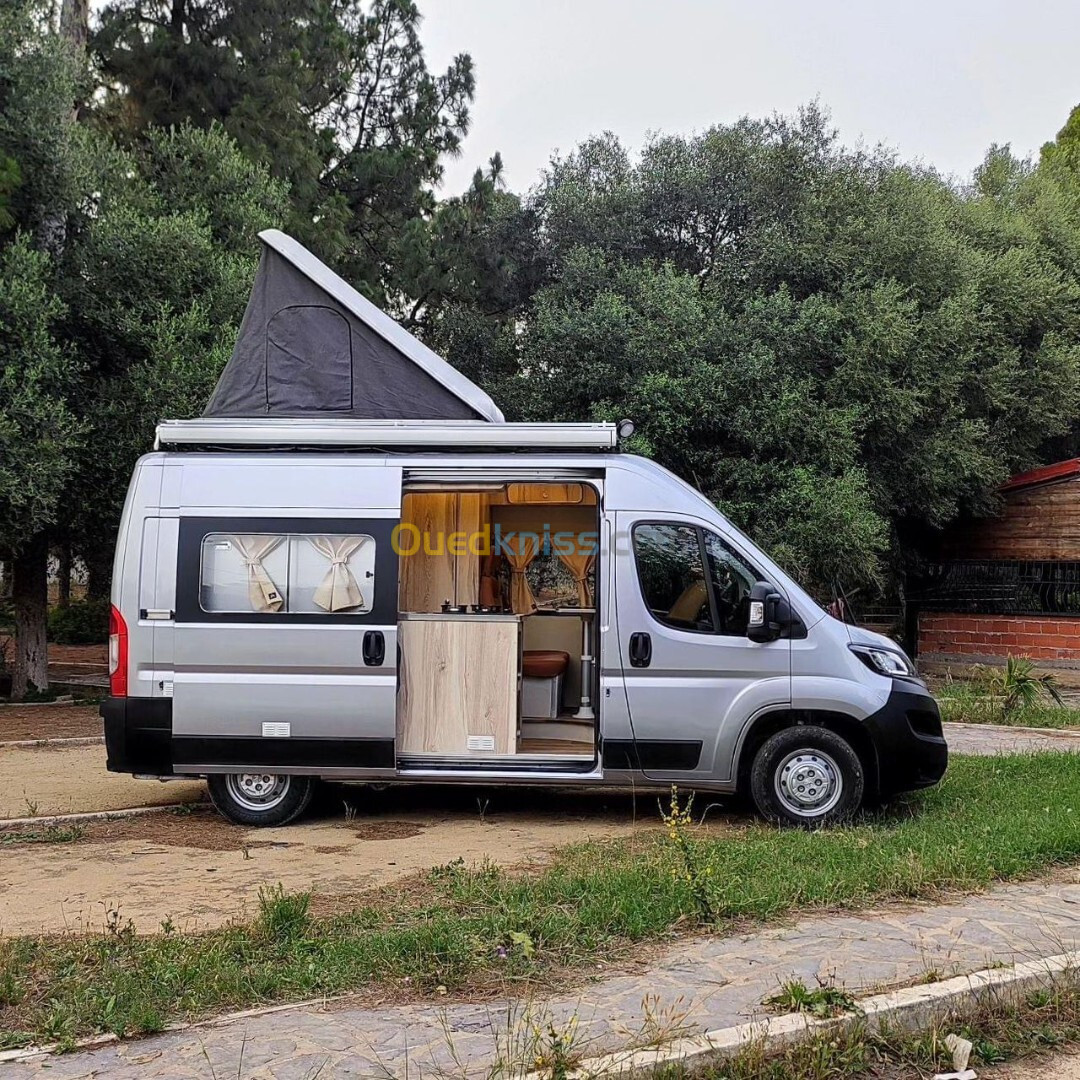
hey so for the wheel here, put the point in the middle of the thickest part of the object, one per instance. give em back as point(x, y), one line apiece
point(807, 776)
point(260, 798)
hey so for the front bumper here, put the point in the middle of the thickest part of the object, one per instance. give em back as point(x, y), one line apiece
point(907, 735)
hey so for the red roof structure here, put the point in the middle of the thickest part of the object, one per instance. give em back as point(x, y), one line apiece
point(1044, 474)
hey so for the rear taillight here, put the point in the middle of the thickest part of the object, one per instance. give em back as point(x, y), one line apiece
point(118, 654)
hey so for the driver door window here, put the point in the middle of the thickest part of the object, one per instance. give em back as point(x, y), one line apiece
point(672, 575)
point(732, 579)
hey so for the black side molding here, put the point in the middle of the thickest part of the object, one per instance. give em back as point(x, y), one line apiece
point(652, 755)
point(190, 751)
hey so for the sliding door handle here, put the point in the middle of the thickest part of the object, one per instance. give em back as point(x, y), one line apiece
point(640, 650)
point(374, 648)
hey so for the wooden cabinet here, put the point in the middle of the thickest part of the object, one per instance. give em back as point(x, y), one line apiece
point(458, 685)
point(541, 494)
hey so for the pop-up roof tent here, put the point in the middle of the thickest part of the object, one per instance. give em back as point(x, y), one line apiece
point(311, 346)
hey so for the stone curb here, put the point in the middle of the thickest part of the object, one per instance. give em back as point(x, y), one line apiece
point(1006, 729)
point(67, 699)
point(73, 740)
point(34, 1053)
point(91, 815)
point(912, 1009)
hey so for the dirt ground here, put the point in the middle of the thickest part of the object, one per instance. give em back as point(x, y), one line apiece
point(59, 721)
point(197, 870)
point(1059, 1066)
point(36, 781)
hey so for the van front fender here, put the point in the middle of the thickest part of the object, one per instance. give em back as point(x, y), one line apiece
point(810, 695)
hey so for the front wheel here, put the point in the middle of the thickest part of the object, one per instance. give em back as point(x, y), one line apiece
point(260, 798)
point(807, 776)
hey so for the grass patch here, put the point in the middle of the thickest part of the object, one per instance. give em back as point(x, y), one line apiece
point(463, 927)
point(973, 703)
point(51, 834)
point(1000, 1030)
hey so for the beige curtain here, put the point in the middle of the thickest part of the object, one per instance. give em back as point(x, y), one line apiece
point(579, 565)
point(520, 551)
point(262, 592)
point(338, 590)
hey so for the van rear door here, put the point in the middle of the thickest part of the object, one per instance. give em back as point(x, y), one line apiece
point(692, 677)
point(286, 638)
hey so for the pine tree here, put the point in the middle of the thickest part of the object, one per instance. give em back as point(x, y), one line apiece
point(333, 96)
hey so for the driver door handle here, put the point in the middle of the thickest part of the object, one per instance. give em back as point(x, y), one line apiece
point(640, 650)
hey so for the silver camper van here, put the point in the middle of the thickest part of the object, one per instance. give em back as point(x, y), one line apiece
point(460, 601)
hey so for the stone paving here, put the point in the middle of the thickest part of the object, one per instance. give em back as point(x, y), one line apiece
point(986, 739)
point(691, 987)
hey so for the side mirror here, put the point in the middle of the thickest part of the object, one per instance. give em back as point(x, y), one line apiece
point(769, 613)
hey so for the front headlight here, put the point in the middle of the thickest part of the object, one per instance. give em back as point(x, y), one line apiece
point(884, 661)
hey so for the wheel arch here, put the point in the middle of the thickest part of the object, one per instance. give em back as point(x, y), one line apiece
point(765, 725)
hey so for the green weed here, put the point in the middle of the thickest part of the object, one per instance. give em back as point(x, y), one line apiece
point(822, 1001)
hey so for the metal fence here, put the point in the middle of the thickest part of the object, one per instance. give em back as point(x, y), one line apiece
point(1000, 587)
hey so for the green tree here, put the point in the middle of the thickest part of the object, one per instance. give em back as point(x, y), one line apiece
point(839, 348)
point(38, 439)
point(156, 287)
point(332, 96)
point(1065, 149)
point(42, 172)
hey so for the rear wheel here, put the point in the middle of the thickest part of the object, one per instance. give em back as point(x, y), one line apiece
point(807, 776)
point(260, 798)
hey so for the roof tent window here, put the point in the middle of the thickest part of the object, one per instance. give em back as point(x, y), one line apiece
point(309, 359)
point(311, 346)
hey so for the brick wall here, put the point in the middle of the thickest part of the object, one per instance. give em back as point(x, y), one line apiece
point(1035, 637)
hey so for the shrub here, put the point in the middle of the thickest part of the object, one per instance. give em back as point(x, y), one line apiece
point(1020, 688)
point(85, 622)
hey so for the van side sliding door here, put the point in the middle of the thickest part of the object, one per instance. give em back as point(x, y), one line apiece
point(286, 643)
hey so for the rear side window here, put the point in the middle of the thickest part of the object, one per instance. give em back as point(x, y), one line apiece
point(270, 573)
point(672, 574)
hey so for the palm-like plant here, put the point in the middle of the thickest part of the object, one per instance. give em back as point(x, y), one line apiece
point(1020, 688)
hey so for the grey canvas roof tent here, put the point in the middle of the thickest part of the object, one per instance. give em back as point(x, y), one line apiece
point(311, 346)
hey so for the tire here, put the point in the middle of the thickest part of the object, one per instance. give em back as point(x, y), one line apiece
point(260, 798)
point(807, 776)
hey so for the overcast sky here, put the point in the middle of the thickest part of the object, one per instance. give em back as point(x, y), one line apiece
point(939, 81)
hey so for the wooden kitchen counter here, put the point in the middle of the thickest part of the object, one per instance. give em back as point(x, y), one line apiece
point(458, 685)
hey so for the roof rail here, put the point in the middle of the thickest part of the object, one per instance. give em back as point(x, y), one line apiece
point(456, 435)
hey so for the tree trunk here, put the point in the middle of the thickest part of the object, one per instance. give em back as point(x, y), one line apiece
point(30, 594)
point(75, 23)
point(74, 30)
point(63, 573)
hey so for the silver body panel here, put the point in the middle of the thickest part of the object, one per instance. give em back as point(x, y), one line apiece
point(228, 679)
